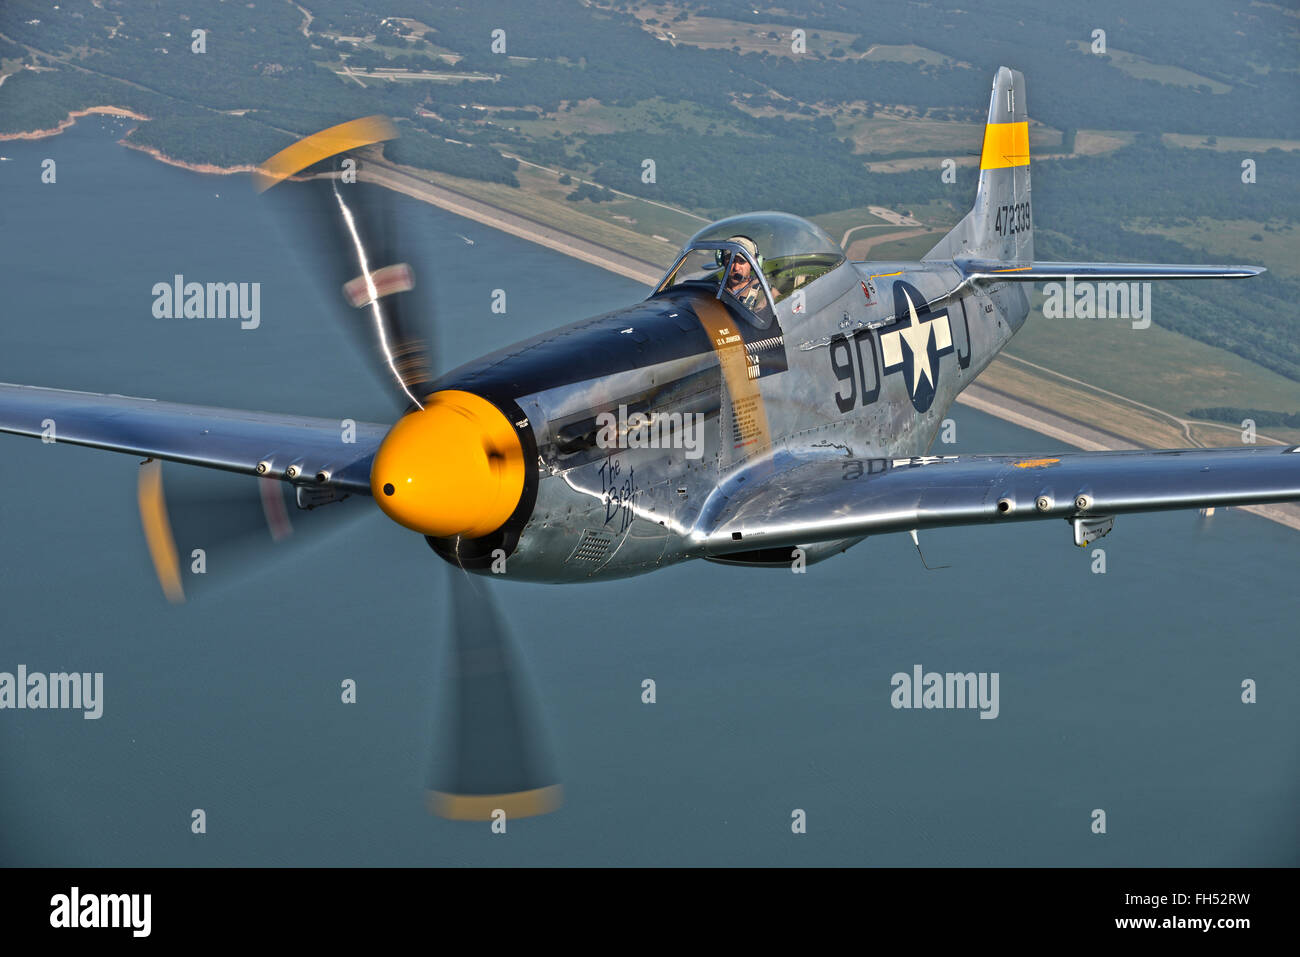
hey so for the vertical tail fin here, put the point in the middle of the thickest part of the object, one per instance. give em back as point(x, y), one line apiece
point(1000, 226)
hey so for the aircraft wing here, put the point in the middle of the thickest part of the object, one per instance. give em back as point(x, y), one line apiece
point(227, 439)
point(999, 271)
point(832, 498)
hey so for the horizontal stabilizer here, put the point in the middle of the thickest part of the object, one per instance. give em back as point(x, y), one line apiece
point(995, 271)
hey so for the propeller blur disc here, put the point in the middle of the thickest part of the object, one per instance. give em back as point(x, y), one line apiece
point(494, 754)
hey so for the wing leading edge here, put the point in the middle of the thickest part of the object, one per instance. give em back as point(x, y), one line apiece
point(829, 499)
point(315, 451)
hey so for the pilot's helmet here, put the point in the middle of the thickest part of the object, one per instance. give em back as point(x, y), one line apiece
point(745, 243)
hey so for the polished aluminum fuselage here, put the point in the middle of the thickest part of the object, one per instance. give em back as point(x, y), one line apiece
point(594, 511)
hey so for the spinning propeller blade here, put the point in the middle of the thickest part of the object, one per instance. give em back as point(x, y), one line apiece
point(493, 754)
point(349, 234)
point(451, 465)
point(205, 528)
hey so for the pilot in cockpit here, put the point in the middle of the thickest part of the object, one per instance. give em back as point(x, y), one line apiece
point(742, 283)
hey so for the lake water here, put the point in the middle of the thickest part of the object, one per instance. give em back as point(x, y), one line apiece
point(1119, 691)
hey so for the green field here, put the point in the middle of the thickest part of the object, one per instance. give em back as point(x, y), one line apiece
point(912, 248)
point(718, 32)
point(859, 246)
point(891, 132)
point(587, 220)
point(591, 117)
point(1154, 365)
point(647, 219)
point(644, 217)
point(1143, 69)
point(908, 53)
point(1092, 142)
point(1231, 240)
point(835, 224)
point(1246, 145)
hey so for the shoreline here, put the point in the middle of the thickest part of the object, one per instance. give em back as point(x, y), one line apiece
point(69, 120)
point(207, 168)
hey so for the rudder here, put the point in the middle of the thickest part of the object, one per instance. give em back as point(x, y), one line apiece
point(1000, 225)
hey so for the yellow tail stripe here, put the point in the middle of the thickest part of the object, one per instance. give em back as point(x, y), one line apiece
point(318, 146)
point(479, 807)
point(158, 530)
point(1005, 144)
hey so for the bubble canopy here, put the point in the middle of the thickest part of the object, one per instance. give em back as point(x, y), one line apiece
point(791, 252)
point(777, 235)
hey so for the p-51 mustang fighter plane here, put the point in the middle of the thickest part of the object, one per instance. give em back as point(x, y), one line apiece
point(769, 395)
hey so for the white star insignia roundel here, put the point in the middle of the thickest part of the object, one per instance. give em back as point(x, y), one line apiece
point(917, 337)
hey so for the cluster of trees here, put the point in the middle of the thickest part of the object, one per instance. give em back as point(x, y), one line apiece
point(1253, 52)
point(38, 101)
point(425, 151)
point(348, 17)
point(597, 194)
point(1289, 420)
point(615, 61)
point(75, 24)
point(11, 51)
point(1171, 185)
point(721, 175)
point(203, 138)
